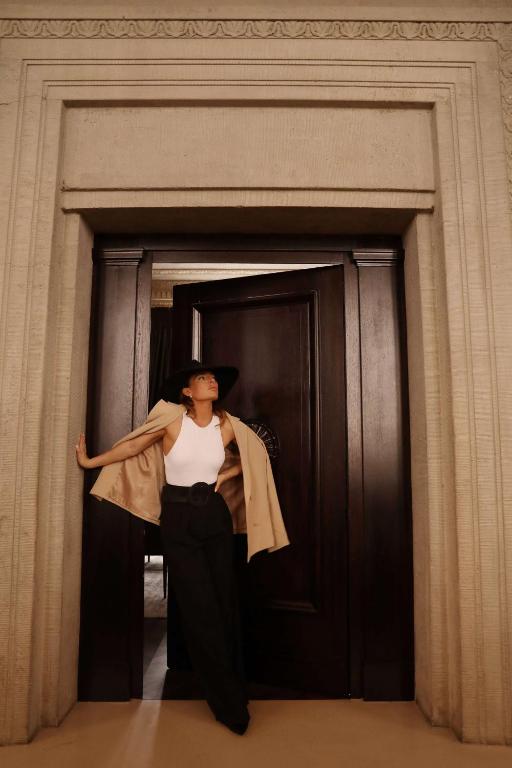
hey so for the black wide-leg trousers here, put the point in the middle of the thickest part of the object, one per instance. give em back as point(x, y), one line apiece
point(198, 543)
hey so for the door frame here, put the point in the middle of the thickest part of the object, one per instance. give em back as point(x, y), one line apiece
point(129, 259)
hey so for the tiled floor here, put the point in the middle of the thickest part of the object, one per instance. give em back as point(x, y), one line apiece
point(288, 734)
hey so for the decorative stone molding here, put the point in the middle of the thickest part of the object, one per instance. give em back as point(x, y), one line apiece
point(375, 257)
point(498, 32)
point(504, 39)
point(252, 28)
point(161, 294)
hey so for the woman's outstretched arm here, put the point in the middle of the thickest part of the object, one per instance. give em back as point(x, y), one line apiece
point(118, 453)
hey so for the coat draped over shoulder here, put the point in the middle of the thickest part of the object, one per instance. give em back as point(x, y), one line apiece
point(136, 483)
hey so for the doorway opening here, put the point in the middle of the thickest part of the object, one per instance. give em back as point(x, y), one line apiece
point(164, 645)
point(322, 320)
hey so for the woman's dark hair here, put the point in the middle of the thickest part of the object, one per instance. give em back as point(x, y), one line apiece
point(189, 403)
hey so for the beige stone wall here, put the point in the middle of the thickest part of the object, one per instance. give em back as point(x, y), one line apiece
point(402, 111)
point(235, 146)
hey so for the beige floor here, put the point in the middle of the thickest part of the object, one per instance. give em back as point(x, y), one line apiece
point(288, 734)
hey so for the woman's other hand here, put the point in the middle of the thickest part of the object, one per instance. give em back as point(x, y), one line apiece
point(81, 452)
point(220, 479)
point(233, 471)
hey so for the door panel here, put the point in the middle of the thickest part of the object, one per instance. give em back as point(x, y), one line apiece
point(112, 586)
point(388, 664)
point(285, 333)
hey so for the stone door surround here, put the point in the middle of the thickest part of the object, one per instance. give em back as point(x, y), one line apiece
point(71, 87)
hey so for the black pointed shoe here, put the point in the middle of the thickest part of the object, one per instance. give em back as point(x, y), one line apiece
point(239, 728)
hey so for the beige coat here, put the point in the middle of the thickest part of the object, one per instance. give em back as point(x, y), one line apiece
point(135, 483)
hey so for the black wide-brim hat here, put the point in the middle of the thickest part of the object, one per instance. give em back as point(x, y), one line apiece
point(226, 376)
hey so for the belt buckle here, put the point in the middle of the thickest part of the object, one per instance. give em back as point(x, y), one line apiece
point(199, 494)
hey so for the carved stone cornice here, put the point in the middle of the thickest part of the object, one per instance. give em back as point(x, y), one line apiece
point(322, 29)
point(253, 28)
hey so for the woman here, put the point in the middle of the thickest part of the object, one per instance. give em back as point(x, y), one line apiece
point(197, 530)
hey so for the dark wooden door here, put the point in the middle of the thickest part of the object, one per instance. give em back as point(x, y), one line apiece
point(285, 333)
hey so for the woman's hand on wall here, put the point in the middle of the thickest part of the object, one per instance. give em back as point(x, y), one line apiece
point(124, 450)
point(81, 452)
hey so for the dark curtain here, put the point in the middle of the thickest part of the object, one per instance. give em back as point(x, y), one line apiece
point(160, 351)
point(159, 369)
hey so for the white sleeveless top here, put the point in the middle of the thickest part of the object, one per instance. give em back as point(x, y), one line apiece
point(197, 454)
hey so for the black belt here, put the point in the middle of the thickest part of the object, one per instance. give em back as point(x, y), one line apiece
point(197, 494)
